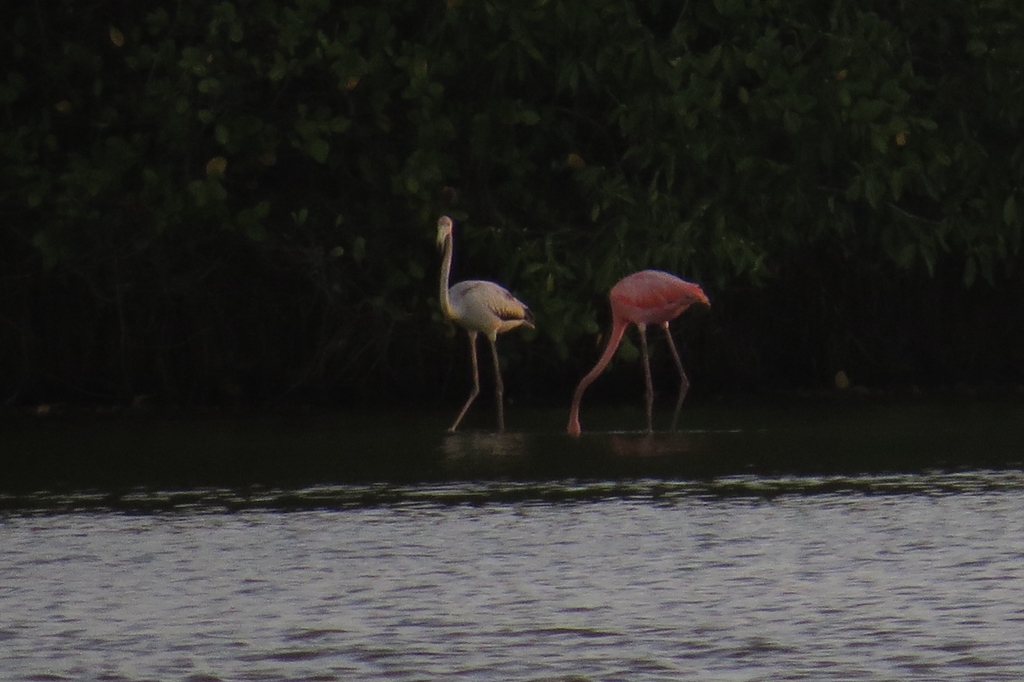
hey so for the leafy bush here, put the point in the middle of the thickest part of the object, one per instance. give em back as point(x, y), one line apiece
point(236, 200)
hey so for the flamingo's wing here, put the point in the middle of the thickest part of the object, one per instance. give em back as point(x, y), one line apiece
point(484, 304)
point(653, 296)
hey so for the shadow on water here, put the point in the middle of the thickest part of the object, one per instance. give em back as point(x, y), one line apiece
point(330, 460)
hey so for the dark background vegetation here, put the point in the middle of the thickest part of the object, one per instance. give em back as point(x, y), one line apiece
point(234, 203)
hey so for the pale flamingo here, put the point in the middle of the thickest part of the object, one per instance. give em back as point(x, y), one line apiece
point(478, 306)
point(643, 298)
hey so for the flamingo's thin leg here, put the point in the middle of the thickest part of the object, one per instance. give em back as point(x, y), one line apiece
point(499, 387)
point(649, 385)
point(684, 383)
point(476, 382)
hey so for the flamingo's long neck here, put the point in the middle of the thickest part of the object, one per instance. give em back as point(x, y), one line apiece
point(614, 338)
point(446, 270)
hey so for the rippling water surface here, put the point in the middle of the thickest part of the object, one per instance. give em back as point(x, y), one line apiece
point(479, 562)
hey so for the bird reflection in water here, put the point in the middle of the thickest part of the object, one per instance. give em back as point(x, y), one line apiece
point(490, 454)
point(544, 456)
point(643, 444)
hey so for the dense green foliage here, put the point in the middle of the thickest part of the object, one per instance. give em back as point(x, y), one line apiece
point(223, 201)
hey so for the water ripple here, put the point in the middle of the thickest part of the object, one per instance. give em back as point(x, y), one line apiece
point(837, 584)
point(511, 492)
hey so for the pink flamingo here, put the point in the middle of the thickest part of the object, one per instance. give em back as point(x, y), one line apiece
point(645, 297)
point(478, 306)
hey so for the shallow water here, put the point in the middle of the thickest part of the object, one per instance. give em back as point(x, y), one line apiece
point(119, 454)
point(842, 545)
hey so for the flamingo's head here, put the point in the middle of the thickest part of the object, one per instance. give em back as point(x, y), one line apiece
point(444, 230)
point(700, 297)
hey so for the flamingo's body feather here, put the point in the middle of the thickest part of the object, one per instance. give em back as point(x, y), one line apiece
point(487, 307)
point(653, 297)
